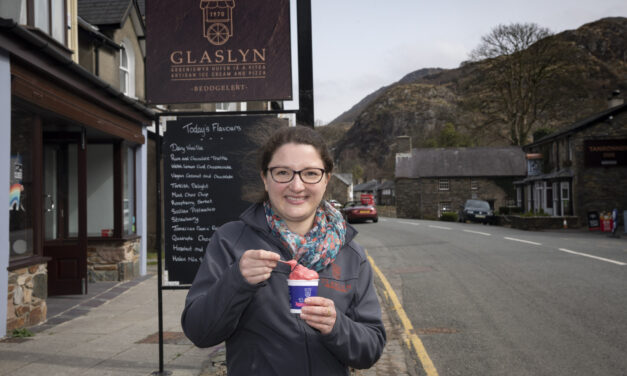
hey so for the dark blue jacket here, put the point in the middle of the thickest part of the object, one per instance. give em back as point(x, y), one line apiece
point(262, 336)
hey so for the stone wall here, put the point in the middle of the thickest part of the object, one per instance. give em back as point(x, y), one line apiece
point(26, 303)
point(113, 260)
point(542, 222)
point(386, 211)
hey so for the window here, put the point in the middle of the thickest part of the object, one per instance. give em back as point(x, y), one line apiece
point(519, 196)
point(21, 209)
point(555, 198)
point(549, 195)
point(444, 207)
point(570, 149)
point(474, 184)
point(100, 186)
point(127, 68)
point(539, 196)
point(565, 197)
point(124, 71)
point(128, 215)
point(443, 185)
point(226, 106)
point(49, 16)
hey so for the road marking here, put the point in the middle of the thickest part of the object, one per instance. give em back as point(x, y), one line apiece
point(523, 241)
point(440, 227)
point(416, 343)
point(594, 257)
point(409, 223)
point(478, 232)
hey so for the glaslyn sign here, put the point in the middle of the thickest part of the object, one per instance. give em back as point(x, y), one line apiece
point(217, 51)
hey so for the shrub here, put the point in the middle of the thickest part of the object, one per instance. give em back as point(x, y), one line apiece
point(505, 210)
point(449, 217)
point(21, 333)
point(540, 213)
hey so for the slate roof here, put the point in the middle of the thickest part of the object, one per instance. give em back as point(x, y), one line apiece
point(141, 4)
point(367, 186)
point(345, 178)
point(462, 162)
point(560, 174)
point(104, 12)
point(579, 125)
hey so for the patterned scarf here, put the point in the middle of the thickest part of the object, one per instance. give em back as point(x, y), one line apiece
point(319, 247)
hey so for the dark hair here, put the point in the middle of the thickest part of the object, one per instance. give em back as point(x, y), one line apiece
point(296, 135)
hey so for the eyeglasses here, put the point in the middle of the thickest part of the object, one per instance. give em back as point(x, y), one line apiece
point(286, 175)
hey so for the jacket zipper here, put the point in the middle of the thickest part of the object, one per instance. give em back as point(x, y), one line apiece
point(301, 324)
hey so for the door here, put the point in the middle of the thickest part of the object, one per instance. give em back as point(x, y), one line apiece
point(64, 205)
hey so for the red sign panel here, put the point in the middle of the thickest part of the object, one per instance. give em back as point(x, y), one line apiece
point(217, 51)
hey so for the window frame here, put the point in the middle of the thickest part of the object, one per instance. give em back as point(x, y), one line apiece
point(442, 205)
point(37, 256)
point(31, 11)
point(444, 185)
point(125, 71)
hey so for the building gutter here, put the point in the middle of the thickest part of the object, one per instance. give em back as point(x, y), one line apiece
point(45, 47)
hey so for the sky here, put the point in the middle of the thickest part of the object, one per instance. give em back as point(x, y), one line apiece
point(362, 45)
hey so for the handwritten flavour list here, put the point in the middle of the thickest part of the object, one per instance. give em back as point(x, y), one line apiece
point(203, 161)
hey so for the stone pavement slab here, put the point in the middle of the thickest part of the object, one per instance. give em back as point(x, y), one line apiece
point(113, 331)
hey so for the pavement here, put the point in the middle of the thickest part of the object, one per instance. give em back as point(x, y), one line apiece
point(113, 330)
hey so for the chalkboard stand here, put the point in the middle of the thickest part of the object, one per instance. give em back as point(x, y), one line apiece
point(159, 251)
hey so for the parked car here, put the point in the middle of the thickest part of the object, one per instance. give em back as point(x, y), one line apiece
point(476, 211)
point(335, 203)
point(355, 211)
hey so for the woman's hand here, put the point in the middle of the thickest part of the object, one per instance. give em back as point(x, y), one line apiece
point(319, 313)
point(256, 265)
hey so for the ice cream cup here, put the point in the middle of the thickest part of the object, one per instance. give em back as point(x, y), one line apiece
point(300, 290)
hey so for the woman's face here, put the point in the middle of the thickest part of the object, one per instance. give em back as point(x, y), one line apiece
point(295, 202)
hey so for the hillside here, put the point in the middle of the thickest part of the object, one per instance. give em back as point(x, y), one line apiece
point(427, 102)
point(352, 114)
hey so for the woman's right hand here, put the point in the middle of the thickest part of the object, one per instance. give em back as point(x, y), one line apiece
point(256, 265)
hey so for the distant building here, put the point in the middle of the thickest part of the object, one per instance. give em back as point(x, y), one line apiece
point(369, 187)
point(580, 168)
point(430, 182)
point(384, 192)
point(340, 188)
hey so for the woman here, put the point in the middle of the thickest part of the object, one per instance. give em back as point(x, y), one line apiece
point(240, 292)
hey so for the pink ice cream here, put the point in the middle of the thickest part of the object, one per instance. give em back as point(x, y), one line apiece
point(300, 272)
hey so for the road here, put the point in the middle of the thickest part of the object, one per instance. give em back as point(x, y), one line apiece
point(488, 300)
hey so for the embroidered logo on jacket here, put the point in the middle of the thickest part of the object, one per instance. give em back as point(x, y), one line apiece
point(336, 271)
point(340, 286)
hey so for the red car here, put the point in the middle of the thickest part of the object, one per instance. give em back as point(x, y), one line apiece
point(355, 211)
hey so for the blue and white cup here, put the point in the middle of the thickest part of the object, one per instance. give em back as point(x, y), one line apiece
point(299, 291)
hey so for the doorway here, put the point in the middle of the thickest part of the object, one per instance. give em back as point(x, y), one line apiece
point(65, 209)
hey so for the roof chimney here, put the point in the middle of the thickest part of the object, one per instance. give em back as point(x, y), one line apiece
point(615, 99)
point(404, 144)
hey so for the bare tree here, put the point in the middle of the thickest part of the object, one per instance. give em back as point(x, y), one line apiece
point(521, 72)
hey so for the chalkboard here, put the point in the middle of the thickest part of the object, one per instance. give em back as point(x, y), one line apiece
point(593, 220)
point(210, 177)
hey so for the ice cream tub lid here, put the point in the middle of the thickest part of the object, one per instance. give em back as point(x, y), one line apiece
point(302, 282)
